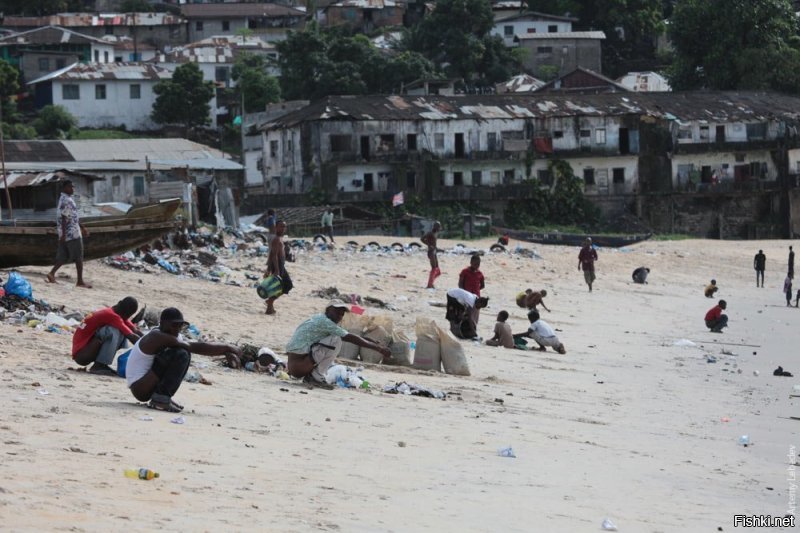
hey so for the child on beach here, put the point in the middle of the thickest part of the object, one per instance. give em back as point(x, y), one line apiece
point(543, 333)
point(787, 289)
point(711, 288)
point(502, 332)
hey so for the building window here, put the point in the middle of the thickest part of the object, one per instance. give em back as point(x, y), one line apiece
point(704, 135)
point(100, 92)
point(508, 31)
point(386, 143)
point(600, 136)
point(508, 176)
point(544, 50)
point(531, 30)
point(685, 133)
point(491, 142)
point(289, 145)
point(273, 148)
point(97, 56)
point(552, 28)
point(70, 92)
point(618, 175)
point(60, 63)
point(585, 134)
point(756, 132)
point(558, 134)
point(477, 177)
point(221, 74)
point(458, 179)
point(109, 30)
point(411, 179)
point(115, 181)
point(340, 143)
point(411, 142)
point(226, 25)
point(105, 57)
point(138, 185)
point(136, 91)
point(545, 177)
point(438, 141)
point(588, 176)
point(198, 26)
point(44, 64)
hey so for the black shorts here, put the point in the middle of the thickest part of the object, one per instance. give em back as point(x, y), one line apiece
point(69, 251)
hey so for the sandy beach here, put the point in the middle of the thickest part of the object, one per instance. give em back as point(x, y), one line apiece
point(625, 426)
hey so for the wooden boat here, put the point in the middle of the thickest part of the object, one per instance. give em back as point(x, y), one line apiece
point(574, 239)
point(28, 242)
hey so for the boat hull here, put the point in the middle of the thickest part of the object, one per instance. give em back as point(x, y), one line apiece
point(575, 239)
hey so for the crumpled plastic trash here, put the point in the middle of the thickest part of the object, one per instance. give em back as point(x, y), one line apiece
point(608, 525)
point(178, 420)
point(683, 342)
point(507, 451)
point(192, 376)
point(346, 377)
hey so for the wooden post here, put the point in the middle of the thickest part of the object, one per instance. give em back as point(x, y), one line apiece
point(3, 162)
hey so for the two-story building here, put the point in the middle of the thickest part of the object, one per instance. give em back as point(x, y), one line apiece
point(509, 26)
point(155, 29)
point(551, 54)
point(104, 95)
point(364, 16)
point(268, 21)
point(491, 148)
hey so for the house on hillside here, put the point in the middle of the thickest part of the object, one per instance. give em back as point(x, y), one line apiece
point(364, 16)
point(630, 149)
point(269, 22)
point(42, 50)
point(156, 29)
point(645, 82)
point(127, 50)
point(521, 83)
point(510, 26)
point(107, 95)
point(137, 171)
point(560, 53)
point(582, 80)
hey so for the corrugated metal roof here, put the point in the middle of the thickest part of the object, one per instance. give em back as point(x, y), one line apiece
point(723, 107)
point(562, 35)
point(48, 35)
point(107, 71)
point(521, 83)
point(365, 4)
point(36, 179)
point(33, 151)
point(528, 15)
point(73, 20)
point(205, 11)
point(217, 49)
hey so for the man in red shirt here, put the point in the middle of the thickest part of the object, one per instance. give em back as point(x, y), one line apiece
point(586, 259)
point(471, 280)
point(102, 333)
point(715, 320)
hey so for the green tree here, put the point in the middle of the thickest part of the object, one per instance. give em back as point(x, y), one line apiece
point(734, 44)
point(40, 7)
point(183, 99)
point(54, 122)
point(136, 6)
point(456, 38)
point(254, 85)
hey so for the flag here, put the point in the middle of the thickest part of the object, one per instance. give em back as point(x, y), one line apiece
point(397, 199)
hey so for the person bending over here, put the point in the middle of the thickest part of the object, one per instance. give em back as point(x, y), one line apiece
point(102, 333)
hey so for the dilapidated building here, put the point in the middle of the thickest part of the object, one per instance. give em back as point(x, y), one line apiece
point(630, 149)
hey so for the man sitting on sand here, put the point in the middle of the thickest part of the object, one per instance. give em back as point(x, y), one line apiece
point(462, 307)
point(317, 341)
point(530, 299)
point(715, 320)
point(160, 359)
point(640, 275)
point(102, 333)
point(542, 333)
point(711, 288)
point(502, 332)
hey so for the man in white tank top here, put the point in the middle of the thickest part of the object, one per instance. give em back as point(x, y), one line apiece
point(160, 359)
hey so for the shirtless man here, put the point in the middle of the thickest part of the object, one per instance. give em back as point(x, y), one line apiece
point(276, 264)
point(530, 299)
point(429, 239)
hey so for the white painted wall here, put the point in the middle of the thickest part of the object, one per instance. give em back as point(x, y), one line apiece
point(605, 166)
point(252, 175)
point(115, 110)
point(702, 132)
point(523, 27)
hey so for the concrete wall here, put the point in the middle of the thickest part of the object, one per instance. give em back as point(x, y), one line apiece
point(566, 54)
point(115, 110)
point(525, 27)
point(29, 63)
point(721, 163)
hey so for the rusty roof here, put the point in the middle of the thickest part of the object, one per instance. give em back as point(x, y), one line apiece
point(36, 151)
point(561, 35)
point(48, 35)
point(530, 15)
point(712, 106)
point(364, 4)
point(217, 49)
point(73, 20)
point(107, 71)
point(208, 11)
point(37, 179)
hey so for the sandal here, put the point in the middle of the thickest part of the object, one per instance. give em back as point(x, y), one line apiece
point(170, 407)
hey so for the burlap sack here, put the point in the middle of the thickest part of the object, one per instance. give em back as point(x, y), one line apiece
point(427, 354)
point(452, 352)
point(401, 350)
point(379, 336)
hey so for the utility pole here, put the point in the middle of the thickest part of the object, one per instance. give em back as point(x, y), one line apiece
point(3, 163)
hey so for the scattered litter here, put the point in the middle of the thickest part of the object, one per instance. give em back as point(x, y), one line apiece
point(178, 420)
point(711, 359)
point(608, 525)
point(744, 440)
point(508, 451)
point(756, 373)
point(401, 444)
point(146, 418)
point(781, 372)
point(412, 389)
point(346, 377)
point(192, 376)
point(43, 392)
point(683, 342)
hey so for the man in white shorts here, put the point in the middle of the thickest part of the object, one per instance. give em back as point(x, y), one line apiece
point(160, 359)
point(542, 333)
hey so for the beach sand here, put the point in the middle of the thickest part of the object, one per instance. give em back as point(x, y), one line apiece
point(625, 425)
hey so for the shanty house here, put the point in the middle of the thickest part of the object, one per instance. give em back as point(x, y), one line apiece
point(364, 16)
point(103, 95)
point(561, 52)
point(34, 194)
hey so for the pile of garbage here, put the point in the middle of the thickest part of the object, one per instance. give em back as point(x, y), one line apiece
point(331, 293)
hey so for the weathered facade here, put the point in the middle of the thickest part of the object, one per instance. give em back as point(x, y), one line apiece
point(561, 52)
point(267, 21)
point(632, 150)
point(364, 16)
point(508, 27)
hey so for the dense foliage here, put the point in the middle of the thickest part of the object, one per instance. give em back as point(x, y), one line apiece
point(184, 98)
point(254, 85)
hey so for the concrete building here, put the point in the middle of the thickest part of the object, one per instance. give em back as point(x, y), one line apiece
point(364, 16)
point(107, 95)
point(560, 53)
point(645, 82)
point(510, 26)
point(269, 22)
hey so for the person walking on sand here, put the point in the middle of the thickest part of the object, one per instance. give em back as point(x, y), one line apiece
point(586, 259)
point(791, 262)
point(327, 223)
point(102, 333)
point(70, 235)
point(276, 265)
point(429, 239)
point(159, 361)
point(760, 264)
point(787, 289)
point(317, 341)
point(715, 320)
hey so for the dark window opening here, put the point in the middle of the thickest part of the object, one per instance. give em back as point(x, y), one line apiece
point(588, 176)
point(545, 177)
point(624, 141)
point(544, 50)
point(109, 30)
point(458, 179)
point(508, 176)
point(368, 183)
point(386, 143)
point(558, 134)
point(226, 25)
point(705, 174)
point(411, 179)
point(365, 147)
point(618, 175)
point(491, 141)
point(411, 141)
point(477, 177)
point(339, 143)
point(552, 28)
point(720, 134)
point(459, 140)
point(198, 26)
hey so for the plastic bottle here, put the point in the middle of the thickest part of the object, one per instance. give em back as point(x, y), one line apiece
point(140, 473)
point(744, 440)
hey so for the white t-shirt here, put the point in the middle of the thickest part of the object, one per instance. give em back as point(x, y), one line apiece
point(464, 297)
point(140, 363)
point(540, 328)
